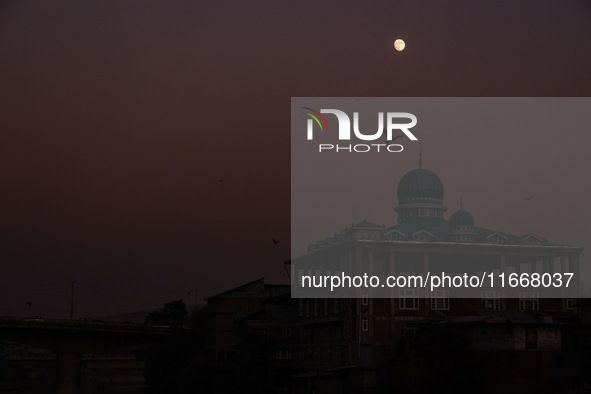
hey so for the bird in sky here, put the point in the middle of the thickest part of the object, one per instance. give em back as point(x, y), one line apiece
point(275, 242)
point(29, 303)
point(529, 198)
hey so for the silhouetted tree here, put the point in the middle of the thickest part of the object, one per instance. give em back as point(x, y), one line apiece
point(179, 364)
point(174, 314)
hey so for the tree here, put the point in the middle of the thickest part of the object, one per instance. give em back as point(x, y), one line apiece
point(174, 314)
point(180, 364)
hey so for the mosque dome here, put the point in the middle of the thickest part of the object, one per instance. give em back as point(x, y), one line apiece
point(420, 195)
point(461, 226)
point(420, 186)
point(461, 218)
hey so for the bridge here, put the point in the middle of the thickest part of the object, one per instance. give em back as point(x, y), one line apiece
point(69, 339)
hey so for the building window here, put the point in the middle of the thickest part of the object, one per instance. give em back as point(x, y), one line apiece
point(301, 308)
point(532, 240)
point(409, 299)
point(569, 303)
point(335, 305)
point(287, 332)
point(440, 299)
point(364, 299)
point(316, 307)
point(529, 302)
point(409, 333)
point(308, 308)
point(337, 354)
point(420, 237)
point(395, 237)
point(364, 324)
point(283, 353)
point(491, 300)
point(337, 332)
point(325, 306)
point(496, 239)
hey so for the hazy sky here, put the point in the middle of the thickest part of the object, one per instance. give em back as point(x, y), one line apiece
point(518, 163)
point(119, 119)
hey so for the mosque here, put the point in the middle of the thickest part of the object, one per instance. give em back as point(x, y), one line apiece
point(424, 241)
point(368, 339)
point(365, 339)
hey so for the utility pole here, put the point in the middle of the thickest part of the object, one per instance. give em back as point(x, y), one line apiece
point(72, 302)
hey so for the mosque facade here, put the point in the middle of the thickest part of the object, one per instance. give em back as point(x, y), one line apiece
point(423, 241)
point(367, 328)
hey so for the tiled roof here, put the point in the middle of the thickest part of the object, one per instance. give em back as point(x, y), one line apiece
point(366, 224)
point(440, 230)
point(437, 227)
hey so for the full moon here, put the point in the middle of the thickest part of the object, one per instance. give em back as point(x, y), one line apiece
point(399, 45)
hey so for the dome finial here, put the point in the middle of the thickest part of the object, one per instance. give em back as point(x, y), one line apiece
point(420, 156)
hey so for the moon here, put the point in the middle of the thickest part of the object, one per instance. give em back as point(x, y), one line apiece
point(399, 45)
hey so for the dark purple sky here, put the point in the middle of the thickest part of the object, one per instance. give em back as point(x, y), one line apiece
point(118, 119)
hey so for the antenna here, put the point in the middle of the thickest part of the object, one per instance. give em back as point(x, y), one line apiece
point(420, 157)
